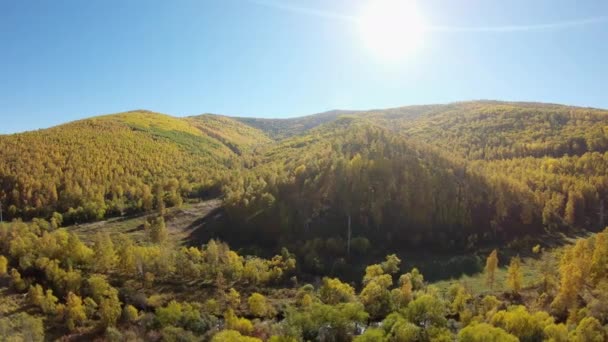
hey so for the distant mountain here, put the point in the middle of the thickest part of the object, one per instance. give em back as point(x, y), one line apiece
point(284, 128)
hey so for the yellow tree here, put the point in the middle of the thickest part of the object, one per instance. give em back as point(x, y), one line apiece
point(333, 291)
point(514, 276)
point(233, 297)
point(105, 256)
point(490, 269)
point(3, 265)
point(258, 305)
point(75, 312)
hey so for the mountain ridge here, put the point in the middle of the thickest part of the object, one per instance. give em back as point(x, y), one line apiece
point(328, 113)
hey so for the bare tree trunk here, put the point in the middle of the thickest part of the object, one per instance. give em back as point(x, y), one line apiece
point(601, 215)
point(348, 236)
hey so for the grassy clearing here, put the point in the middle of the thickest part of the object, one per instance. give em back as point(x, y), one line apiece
point(179, 220)
point(532, 270)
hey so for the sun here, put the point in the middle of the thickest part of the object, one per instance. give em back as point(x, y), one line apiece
point(391, 29)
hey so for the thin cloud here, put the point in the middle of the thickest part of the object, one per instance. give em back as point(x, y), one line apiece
point(559, 25)
point(518, 28)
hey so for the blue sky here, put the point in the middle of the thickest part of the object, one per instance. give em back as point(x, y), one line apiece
point(64, 60)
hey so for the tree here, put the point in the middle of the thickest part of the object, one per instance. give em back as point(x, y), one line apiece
point(234, 298)
point(588, 330)
point(333, 291)
point(258, 305)
point(526, 326)
point(48, 303)
point(483, 332)
point(490, 269)
point(401, 296)
point(105, 255)
point(426, 310)
point(371, 272)
point(22, 327)
point(391, 265)
point(158, 230)
point(458, 296)
point(74, 311)
point(3, 265)
point(556, 333)
point(232, 336)
point(130, 314)
point(514, 276)
point(574, 207)
point(109, 309)
point(371, 335)
point(98, 287)
point(170, 314)
point(17, 282)
point(233, 322)
point(35, 295)
point(405, 331)
point(376, 296)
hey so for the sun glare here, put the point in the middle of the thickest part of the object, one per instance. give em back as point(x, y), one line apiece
point(391, 29)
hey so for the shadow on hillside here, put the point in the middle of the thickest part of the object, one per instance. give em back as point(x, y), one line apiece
point(205, 228)
point(436, 264)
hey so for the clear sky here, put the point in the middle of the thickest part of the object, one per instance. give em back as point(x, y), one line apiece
point(64, 60)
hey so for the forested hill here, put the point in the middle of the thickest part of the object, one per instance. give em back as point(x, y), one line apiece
point(490, 169)
point(502, 130)
point(116, 164)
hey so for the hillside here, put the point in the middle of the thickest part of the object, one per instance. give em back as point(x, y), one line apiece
point(118, 163)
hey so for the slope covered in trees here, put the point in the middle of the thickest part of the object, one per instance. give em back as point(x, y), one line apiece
point(113, 164)
point(353, 178)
